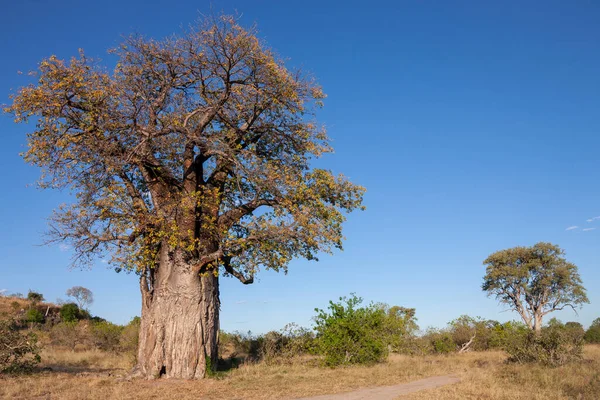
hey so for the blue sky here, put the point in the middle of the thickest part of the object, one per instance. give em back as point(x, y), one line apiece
point(473, 125)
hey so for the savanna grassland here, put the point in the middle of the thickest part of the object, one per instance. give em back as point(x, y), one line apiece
point(90, 358)
point(484, 375)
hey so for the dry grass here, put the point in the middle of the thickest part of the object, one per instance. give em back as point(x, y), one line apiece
point(95, 375)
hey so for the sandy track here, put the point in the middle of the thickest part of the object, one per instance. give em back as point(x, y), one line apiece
point(390, 392)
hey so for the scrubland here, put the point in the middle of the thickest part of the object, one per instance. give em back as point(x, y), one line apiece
point(484, 375)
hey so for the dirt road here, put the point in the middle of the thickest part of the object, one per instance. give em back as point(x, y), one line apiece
point(390, 392)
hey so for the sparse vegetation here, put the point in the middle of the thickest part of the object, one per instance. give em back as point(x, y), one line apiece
point(18, 351)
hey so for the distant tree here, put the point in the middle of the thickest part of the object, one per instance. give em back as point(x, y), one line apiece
point(83, 296)
point(35, 297)
point(193, 159)
point(534, 281)
point(592, 335)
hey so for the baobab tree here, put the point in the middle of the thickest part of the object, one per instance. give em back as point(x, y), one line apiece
point(534, 281)
point(190, 161)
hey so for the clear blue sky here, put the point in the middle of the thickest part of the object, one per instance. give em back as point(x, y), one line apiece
point(474, 126)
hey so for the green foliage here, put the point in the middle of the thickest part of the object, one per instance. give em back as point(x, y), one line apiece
point(400, 324)
point(439, 341)
point(70, 312)
point(502, 335)
point(465, 329)
point(106, 335)
point(18, 352)
point(129, 339)
point(534, 281)
point(553, 346)
point(350, 334)
point(35, 297)
point(34, 316)
point(592, 335)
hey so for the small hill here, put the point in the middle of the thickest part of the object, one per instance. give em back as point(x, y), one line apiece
point(11, 307)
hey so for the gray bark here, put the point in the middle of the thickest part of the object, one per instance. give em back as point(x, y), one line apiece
point(180, 321)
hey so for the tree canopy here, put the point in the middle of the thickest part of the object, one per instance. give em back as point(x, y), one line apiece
point(83, 296)
point(201, 141)
point(534, 281)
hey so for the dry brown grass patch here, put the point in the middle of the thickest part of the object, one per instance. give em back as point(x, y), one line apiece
point(94, 375)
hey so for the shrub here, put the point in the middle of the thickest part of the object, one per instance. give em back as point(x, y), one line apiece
point(592, 335)
point(70, 334)
point(553, 346)
point(106, 335)
point(70, 312)
point(35, 297)
point(18, 352)
point(34, 316)
point(502, 335)
point(440, 341)
point(128, 341)
point(349, 334)
point(286, 345)
point(400, 325)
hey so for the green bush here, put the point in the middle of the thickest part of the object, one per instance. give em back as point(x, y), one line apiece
point(18, 352)
point(553, 346)
point(440, 341)
point(34, 316)
point(128, 341)
point(35, 297)
point(70, 312)
point(106, 335)
point(592, 335)
point(502, 335)
point(400, 325)
point(350, 334)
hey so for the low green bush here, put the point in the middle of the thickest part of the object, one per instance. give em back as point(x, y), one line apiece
point(70, 312)
point(129, 339)
point(34, 316)
point(592, 335)
point(350, 334)
point(106, 335)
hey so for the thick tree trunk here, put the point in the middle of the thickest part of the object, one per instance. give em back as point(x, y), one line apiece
point(180, 322)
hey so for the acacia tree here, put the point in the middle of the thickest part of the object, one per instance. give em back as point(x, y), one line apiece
point(83, 296)
point(534, 281)
point(189, 161)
